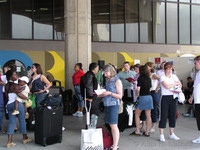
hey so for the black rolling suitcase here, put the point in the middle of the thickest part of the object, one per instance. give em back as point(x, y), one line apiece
point(48, 125)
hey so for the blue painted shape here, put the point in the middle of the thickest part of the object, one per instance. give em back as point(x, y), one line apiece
point(6, 56)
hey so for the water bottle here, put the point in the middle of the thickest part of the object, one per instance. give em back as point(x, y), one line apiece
point(93, 121)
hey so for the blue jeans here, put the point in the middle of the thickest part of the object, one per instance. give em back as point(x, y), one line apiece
point(79, 96)
point(1, 117)
point(154, 111)
point(39, 98)
point(12, 118)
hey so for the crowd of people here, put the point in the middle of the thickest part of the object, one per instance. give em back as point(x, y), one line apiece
point(14, 92)
point(140, 85)
point(148, 88)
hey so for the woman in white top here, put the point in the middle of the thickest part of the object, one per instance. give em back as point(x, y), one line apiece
point(154, 93)
point(169, 85)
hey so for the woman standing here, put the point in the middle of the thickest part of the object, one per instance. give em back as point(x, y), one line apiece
point(76, 82)
point(145, 101)
point(39, 83)
point(111, 99)
point(154, 82)
point(12, 90)
point(168, 81)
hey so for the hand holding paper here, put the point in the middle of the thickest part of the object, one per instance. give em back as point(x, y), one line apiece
point(99, 91)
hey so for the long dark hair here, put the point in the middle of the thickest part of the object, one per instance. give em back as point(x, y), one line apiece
point(38, 68)
point(144, 71)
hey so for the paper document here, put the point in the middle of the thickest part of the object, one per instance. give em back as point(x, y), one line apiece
point(99, 91)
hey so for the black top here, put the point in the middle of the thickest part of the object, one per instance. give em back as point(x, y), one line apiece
point(90, 83)
point(144, 83)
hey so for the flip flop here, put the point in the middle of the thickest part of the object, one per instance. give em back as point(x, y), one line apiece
point(147, 135)
point(134, 133)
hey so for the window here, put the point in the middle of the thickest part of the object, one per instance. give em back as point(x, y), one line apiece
point(132, 21)
point(172, 23)
point(43, 19)
point(145, 21)
point(195, 24)
point(22, 19)
point(5, 28)
point(159, 22)
point(184, 24)
point(117, 20)
point(100, 20)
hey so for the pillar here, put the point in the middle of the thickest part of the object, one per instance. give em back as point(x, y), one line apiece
point(77, 36)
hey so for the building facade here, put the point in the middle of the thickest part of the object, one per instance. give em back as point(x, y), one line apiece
point(59, 33)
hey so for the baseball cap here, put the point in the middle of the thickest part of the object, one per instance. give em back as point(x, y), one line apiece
point(24, 78)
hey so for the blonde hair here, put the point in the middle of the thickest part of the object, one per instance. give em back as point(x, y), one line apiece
point(111, 69)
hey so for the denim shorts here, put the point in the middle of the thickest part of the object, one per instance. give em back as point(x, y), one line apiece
point(111, 114)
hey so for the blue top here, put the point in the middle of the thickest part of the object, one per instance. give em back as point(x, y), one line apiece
point(37, 85)
point(111, 86)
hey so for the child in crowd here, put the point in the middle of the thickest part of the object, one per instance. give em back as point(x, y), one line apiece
point(23, 81)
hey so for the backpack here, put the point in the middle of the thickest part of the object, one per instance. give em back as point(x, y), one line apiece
point(82, 85)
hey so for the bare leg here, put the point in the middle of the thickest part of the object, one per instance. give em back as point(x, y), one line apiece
point(161, 131)
point(171, 131)
point(115, 134)
point(137, 120)
point(9, 138)
point(148, 121)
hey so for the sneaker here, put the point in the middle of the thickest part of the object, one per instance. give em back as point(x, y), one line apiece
point(80, 114)
point(75, 114)
point(11, 145)
point(186, 115)
point(26, 115)
point(15, 112)
point(196, 141)
point(28, 140)
point(162, 138)
point(173, 137)
point(152, 130)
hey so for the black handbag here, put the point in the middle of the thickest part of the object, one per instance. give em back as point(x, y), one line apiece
point(52, 99)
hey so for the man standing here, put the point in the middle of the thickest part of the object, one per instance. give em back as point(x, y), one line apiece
point(89, 83)
point(127, 78)
point(196, 95)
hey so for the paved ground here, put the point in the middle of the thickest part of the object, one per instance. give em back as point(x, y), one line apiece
point(186, 129)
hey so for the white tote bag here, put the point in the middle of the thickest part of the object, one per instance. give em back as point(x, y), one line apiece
point(91, 139)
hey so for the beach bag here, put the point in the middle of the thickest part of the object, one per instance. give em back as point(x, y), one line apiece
point(91, 139)
point(32, 97)
point(28, 103)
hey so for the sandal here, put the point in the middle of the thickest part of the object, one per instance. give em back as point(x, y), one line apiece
point(111, 148)
point(134, 133)
point(147, 135)
point(12, 144)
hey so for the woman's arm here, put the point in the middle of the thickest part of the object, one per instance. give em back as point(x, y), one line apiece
point(47, 83)
point(138, 91)
point(119, 90)
point(169, 86)
point(155, 77)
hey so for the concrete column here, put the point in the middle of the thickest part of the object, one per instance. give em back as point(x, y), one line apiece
point(77, 36)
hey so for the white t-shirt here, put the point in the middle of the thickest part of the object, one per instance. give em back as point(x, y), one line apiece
point(25, 93)
point(160, 72)
point(196, 86)
point(3, 78)
point(170, 80)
